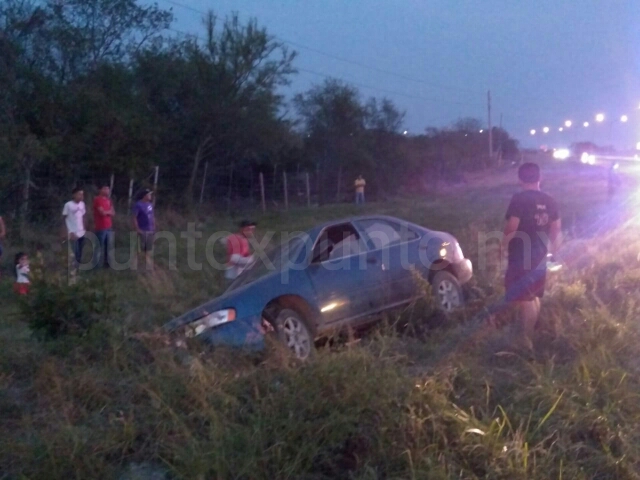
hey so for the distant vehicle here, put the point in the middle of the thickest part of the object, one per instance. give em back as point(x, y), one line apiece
point(336, 275)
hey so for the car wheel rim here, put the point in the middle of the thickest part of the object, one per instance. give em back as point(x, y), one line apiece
point(448, 295)
point(296, 337)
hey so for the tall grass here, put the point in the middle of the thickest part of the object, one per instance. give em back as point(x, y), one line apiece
point(421, 401)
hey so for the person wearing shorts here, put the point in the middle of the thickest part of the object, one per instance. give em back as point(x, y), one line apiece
point(532, 228)
point(145, 226)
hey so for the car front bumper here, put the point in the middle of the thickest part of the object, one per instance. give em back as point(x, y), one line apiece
point(246, 333)
point(463, 270)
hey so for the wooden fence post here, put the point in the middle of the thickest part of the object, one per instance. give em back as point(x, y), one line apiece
point(264, 203)
point(286, 190)
point(204, 180)
point(308, 190)
point(130, 192)
point(155, 184)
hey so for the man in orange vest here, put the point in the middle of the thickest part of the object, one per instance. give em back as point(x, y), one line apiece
point(239, 254)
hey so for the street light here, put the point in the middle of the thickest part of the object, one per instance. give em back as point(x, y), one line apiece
point(481, 131)
point(545, 129)
point(600, 117)
point(624, 119)
point(586, 124)
point(532, 132)
point(405, 132)
point(561, 129)
point(568, 123)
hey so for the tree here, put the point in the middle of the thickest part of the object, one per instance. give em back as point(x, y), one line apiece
point(467, 125)
point(383, 116)
point(333, 124)
point(235, 75)
point(66, 84)
point(384, 122)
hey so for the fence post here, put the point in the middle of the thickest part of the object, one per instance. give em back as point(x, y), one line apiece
point(308, 190)
point(264, 203)
point(130, 192)
point(252, 189)
point(204, 180)
point(111, 182)
point(155, 184)
point(286, 191)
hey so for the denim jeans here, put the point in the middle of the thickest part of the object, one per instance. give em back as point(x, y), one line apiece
point(76, 247)
point(102, 250)
point(359, 198)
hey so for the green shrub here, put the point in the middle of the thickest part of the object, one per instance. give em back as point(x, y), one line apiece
point(53, 310)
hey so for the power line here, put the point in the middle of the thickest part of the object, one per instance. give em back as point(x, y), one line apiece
point(361, 85)
point(348, 61)
point(376, 69)
point(390, 92)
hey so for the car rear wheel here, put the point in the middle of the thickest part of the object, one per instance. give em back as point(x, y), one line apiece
point(294, 333)
point(447, 291)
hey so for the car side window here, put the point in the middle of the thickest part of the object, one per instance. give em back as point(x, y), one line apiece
point(338, 241)
point(383, 233)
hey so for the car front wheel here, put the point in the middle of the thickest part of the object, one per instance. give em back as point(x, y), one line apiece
point(294, 333)
point(447, 291)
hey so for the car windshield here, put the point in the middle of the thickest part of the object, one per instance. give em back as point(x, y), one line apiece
point(278, 256)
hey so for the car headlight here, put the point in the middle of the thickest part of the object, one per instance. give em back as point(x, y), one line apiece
point(210, 321)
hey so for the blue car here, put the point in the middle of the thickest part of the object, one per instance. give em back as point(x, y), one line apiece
point(340, 274)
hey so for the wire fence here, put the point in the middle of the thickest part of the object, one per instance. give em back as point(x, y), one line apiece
point(221, 189)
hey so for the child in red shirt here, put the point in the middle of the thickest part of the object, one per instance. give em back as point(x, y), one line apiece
point(21, 286)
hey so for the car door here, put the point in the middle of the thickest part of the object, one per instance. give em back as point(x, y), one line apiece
point(398, 246)
point(345, 274)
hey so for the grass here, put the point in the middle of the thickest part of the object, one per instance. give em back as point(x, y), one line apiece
point(441, 403)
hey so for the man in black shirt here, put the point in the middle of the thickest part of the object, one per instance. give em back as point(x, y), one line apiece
point(532, 227)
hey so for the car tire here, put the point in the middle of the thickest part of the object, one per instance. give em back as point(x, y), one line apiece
point(295, 334)
point(447, 292)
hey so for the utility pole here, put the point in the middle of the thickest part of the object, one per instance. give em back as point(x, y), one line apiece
point(490, 128)
point(500, 147)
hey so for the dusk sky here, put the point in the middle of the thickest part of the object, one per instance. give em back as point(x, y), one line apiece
point(545, 61)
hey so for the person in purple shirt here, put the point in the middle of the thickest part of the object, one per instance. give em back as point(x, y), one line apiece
point(145, 225)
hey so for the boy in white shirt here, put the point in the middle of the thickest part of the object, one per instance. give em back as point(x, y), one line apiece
point(73, 214)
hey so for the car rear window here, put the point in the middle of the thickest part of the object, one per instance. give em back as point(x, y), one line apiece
point(382, 233)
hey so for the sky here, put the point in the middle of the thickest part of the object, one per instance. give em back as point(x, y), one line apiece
point(545, 61)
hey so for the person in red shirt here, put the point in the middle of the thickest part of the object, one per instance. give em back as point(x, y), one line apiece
point(103, 213)
point(238, 252)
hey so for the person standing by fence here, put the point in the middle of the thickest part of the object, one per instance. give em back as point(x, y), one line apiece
point(359, 184)
point(73, 213)
point(103, 213)
point(145, 225)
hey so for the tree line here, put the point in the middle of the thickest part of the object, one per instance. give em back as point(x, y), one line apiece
point(91, 88)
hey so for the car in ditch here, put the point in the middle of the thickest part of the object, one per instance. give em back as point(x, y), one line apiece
point(340, 274)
